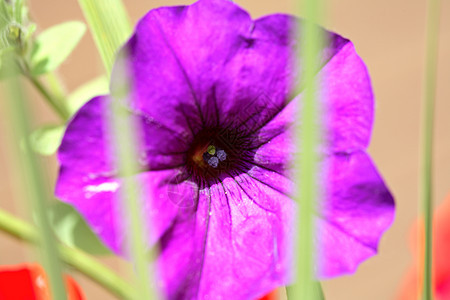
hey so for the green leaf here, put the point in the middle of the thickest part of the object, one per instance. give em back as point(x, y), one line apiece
point(84, 93)
point(54, 45)
point(72, 230)
point(47, 139)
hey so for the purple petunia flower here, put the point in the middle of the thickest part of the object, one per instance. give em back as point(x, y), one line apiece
point(213, 92)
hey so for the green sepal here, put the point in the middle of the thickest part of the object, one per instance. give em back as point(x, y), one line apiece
point(72, 230)
point(46, 139)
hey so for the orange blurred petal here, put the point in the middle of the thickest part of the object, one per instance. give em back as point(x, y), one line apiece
point(273, 295)
point(73, 290)
point(409, 288)
point(29, 282)
point(412, 284)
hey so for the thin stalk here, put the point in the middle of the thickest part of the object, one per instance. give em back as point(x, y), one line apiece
point(57, 87)
point(427, 141)
point(51, 100)
point(308, 135)
point(35, 191)
point(124, 131)
point(110, 28)
point(97, 272)
point(17, 228)
point(53, 97)
point(70, 256)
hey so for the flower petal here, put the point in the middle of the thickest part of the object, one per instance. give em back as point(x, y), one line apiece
point(88, 179)
point(87, 148)
point(175, 56)
point(261, 77)
point(29, 282)
point(231, 248)
point(347, 100)
point(358, 208)
point(210, 64)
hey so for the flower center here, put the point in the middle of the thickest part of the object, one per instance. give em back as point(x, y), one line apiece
point(217, 152)
point(214, 155)
point(208, 153)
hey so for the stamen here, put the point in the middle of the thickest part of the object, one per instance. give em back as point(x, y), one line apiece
point(214, 155)
point(221, 155)
point(217, 151)
point(213, 162)
point(211, 149)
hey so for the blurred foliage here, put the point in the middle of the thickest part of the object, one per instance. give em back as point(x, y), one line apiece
point(54, 45)
point(72, 230)
point(46, 139)
point(35, 55)
point(95, 87)
point(15, 32)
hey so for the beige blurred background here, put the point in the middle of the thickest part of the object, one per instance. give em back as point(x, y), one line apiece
point(388, 35)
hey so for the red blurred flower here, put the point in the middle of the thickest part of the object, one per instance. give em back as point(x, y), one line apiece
point(29, 282)
point(411, 287)
point(277, 294)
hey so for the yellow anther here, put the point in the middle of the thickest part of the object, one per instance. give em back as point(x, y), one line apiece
point(211, 149)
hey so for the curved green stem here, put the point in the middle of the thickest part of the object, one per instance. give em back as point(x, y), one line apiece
point(51, 99)
point(17, 228)
point(96, 271)
point(70, 256)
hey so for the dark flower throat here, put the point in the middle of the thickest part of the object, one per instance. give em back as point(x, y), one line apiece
point(218, 152)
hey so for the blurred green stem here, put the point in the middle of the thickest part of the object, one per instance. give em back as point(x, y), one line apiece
point(57, 87)
point(308, 136)
point(70, 256)
point(35, 192)
point(427, 141)
point(54, 96)
point(110, 27)
point(125, 144)
point(53, 100)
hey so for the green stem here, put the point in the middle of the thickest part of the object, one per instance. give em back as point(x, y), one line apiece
point(51, 99)
point(70, 256)
point(124, 131)
point(96, 271)
point(427, 141)
point(35, 193)
point(110, 27)
point(17, 228)
point(57, 87)
point(308, 135)
point(316, 290)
